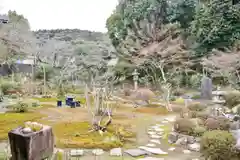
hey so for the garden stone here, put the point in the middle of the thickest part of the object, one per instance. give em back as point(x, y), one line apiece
point(170, 119)
point(97, 152)
point(27, 130)
point(153, 150)
point(151, 145)
point(194, 147)
point(155, 141)
point(206, 88)
point(182, 141)
point(172, 137)
point(151, 133)
point(190, 139)
point(116, 152)
point(159, 129)
point(234, 125)
point(150, 158)
point(186, 151)
point(171, 149)
point(238, 144)
point(76, 153)
point(136, 152)
point(198, 139)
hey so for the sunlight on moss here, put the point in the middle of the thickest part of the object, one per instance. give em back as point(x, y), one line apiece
point(9, 121)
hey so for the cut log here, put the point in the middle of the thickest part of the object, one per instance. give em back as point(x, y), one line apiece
point(31, 146)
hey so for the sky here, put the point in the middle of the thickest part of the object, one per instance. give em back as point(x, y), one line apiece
point(61, 14)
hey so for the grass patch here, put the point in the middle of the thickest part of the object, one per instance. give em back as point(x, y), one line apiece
point(158, 111)
point(77, 135)
point(179, 101)
point(9, 121)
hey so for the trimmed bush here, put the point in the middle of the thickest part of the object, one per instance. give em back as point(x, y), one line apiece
point(217, 145)
point(196, 107)
point(199, 131)
point(202, 115)
point(232, 99)
point(217, 123)
point(184, 126)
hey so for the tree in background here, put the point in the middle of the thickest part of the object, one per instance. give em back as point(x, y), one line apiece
point(16, 38)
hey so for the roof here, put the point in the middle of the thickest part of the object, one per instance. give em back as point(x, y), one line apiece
point(4, 17)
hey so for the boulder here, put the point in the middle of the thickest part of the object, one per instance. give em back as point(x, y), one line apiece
point(194, 147)
point(172, 137)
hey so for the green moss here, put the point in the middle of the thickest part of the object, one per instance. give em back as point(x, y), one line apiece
point(9, 121)
point(77, 135)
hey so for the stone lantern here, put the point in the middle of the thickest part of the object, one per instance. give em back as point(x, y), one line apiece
point(135, 79)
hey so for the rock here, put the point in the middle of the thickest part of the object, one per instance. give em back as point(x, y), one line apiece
point(97, 152)
point(153, 150)
point(186, 151)
point(150, 158)
point(151, 145)
point(160, 125)
point(155, 136)
point(116, 152)
point(136, 152)
point(206, 88)
point(182, 141)
point(171, 149)
point(238, 144)
point(159, 129)
point(76, 152)
point(172, 137)
point(164, 121)
point(198, 139)
point(190, 139)
point(194, 147)
point(27, 130)
point(234, 126)
point(170, 119)
point(155, 141)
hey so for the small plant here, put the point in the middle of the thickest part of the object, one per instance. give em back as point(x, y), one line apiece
point(34, 126)
point(218, 145)
point(19, 107)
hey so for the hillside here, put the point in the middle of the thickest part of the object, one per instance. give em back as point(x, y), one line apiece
point(56, 46)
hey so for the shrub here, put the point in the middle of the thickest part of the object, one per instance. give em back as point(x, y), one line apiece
point(184, 125)
point(220, 123)
point(199, 131)
point(196, 107)
point(19, 107)
point(178, 92)
point(13, 96)
point(202, 115)
point(232, 99)
point(7, 86)
point(217, 145)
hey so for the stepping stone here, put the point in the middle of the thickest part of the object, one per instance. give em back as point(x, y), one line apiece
point(160, 125)
point(151, 145)
point(151, 133)
point(186, 151)
point(153, 150)
point(155, 136)
point(150, 158)
point(171, 149)
point(155, 141)
point(136, 152)
point(164, 121)
point(97, 152)
point(76, 152)
point(159, 129)
point(116, 152)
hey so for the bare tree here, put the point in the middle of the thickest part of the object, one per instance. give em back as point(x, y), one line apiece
point(99, 109)
point(226, 65)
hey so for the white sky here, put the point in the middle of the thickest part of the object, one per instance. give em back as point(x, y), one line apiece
point(56, 14)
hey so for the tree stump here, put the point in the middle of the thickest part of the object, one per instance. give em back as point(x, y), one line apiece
point(31, 146)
